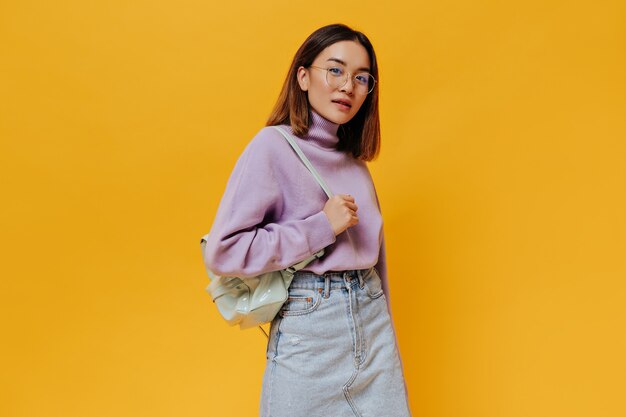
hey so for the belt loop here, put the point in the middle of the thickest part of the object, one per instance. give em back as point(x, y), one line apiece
point(326, 286)
point(346, 278)
point(361, 280)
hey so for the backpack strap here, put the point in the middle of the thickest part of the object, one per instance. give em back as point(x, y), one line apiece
point(306, 161)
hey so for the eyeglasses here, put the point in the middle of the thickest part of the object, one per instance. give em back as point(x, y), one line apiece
point(336, 77)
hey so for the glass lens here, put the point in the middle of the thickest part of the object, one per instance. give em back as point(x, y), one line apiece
point(336, 77)
point(364, 82)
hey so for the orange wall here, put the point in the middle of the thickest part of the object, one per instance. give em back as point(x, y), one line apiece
point(502, 181)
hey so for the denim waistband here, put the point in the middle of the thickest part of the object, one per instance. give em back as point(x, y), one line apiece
point(330, 279)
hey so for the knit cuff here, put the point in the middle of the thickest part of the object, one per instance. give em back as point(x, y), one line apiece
point(322, 233)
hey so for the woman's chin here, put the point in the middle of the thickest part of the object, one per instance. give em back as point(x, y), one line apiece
point(337, 117)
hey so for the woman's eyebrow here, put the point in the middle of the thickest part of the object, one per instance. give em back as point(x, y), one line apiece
point(344, 64)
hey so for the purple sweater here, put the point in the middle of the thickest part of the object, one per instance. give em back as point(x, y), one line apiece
point(271, 214)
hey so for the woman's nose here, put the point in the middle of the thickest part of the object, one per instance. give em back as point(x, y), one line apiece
point(348, 86)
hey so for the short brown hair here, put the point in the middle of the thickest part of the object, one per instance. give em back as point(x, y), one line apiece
point(361, 135)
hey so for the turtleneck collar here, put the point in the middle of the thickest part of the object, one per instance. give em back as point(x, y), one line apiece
point(322, 132)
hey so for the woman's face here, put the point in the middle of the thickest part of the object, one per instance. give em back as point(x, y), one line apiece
point(348, 56)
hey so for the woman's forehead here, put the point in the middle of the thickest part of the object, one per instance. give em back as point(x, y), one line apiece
point(349, 53)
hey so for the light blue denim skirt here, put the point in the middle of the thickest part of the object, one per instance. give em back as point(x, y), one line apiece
point(332, 350)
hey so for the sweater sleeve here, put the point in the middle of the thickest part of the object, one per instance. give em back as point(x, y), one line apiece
point(246, 239)
point(381, 264)
point(381, 267)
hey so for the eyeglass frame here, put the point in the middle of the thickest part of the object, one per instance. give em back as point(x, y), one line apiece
point(349, 77)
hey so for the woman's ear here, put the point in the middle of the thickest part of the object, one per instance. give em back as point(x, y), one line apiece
point(303, 78)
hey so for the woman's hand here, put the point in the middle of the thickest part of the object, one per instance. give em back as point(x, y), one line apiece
point(341, 212)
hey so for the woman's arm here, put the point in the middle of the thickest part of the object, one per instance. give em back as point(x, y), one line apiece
point(381, 265)
point(244, 239)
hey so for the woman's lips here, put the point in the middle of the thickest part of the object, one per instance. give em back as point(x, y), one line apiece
point(342, 105)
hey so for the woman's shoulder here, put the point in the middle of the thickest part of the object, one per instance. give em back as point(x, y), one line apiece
point(268, 140)
point(260, 155)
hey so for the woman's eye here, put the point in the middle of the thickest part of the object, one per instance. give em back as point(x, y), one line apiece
point(362, 79)
point(335, 70)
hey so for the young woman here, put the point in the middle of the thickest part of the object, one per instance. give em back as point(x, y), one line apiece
point(332, 349)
